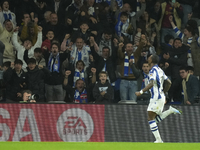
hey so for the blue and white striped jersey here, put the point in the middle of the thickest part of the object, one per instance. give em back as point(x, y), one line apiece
point(158, 76)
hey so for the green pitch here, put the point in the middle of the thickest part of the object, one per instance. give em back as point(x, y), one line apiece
point(96, 146)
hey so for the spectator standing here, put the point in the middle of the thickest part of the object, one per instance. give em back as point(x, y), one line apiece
point(27, 45)
point(128, 83)
point(6, 14)
point(176, 57)
point(190, 86)
point(104, 62)
point(46, 44)
point(169, 8)
point(80, 52)
point(15, 82)
point(73, 12)
point(40, 61)
point(5, 37)
point(187, 9)
point(59, 29)
point(29, 31)
point(191, 39)
point(35, 79)
point(54, 77)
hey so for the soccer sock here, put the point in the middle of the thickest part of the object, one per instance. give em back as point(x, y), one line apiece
point(154, 129)
point(162, 116)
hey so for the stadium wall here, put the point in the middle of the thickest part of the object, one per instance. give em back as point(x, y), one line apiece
point(93, 123)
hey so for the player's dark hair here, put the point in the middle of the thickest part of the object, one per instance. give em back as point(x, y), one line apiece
point(144, 63)
point(155, 59)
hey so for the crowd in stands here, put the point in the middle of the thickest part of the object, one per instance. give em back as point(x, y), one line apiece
point(96, 51)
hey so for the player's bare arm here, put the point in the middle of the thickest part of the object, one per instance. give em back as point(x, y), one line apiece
point(167, 85)
point(149, 86)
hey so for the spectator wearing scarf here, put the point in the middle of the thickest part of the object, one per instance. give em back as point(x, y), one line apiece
point(80, 95)
point(80, 71)
point(82, 92)
point(80, 52)
point(54, 77)
point(6, 14)
point(128, 59)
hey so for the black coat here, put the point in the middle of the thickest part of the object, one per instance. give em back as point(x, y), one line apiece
point(178, 58)
point(35, 81)
point(59, 30)
point(13, 82)
point(192, 86)
point(98, 88)
point(100, 62)
point(54, 78)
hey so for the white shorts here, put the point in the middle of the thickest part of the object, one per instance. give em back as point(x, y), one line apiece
point(156, 105)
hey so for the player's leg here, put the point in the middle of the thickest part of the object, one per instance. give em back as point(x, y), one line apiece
point(154, 127)
point(166, 113)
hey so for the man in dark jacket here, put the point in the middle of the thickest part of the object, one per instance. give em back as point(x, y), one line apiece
point(84, 32)
point(73, 12)
point(104, 62)
point(59, 29)
point(176, 57)
point(190, 86)
point(15, 82)
point(54, 76)
point(35, 79)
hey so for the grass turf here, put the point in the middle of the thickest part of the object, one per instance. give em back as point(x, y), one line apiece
point(96, 146)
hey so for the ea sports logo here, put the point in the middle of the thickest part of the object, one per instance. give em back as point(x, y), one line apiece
point(75, 125)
